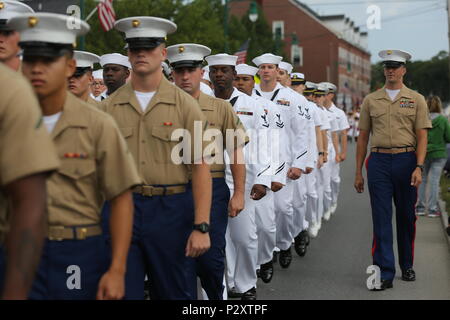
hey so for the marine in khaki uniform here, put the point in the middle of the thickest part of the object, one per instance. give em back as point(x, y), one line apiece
point(81, 81)
point(397, 120)
point(95, 166)
point(28, 155)
point(9, 38)
point(171, 214)
point(186, 61)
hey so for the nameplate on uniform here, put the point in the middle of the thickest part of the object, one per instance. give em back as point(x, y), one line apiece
point(245, 113)
point(405, 103)
point(283, 102)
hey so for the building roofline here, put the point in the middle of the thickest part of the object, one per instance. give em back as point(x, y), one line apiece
point(314, 15)
point(333, 17)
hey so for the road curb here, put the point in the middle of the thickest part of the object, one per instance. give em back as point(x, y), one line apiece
point(444, 220)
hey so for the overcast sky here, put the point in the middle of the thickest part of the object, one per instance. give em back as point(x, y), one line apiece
point(417, 26)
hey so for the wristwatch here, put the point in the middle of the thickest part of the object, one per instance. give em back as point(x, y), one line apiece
point(420, 166)
point(202, 227)
point(321, 154)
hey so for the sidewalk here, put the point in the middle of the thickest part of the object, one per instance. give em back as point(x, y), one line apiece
point(444, 220)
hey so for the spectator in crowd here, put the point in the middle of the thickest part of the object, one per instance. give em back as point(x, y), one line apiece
point(435, 159)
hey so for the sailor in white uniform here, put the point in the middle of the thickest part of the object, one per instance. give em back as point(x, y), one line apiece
point(265, 208)
point(242, 239)
point(343, 128)
point(295, 159)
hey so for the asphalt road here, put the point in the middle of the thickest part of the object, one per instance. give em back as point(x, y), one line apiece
point(336, 262)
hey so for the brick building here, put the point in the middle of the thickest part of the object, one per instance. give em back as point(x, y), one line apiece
point(324, 48)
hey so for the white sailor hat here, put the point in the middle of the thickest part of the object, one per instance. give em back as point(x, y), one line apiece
point(310, 87)
point(9, 9)
point(267, 58)
point(47, 34)
point(394, 58)
point(297, 78)
point(187, 55)
point(98, 74)
point(85, 62)
point(206, 73)
point(166, 69)
point(322, 89)
point(286, 66)
point(246, 69)
point(85, 59)
point(221, 59)
point(331, 87)
point(115, 58)
point(145, 32)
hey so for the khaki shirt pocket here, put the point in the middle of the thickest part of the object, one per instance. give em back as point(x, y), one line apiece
point(126, 132)
point(379, 118)
point(164, 144)
point(405, 118)
point(74, 186)
point(77, 168)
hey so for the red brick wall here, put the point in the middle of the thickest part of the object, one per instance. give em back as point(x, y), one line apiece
point(319, 44)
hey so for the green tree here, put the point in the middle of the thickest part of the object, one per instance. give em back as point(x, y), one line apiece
point(198, 21)
point(100, 42)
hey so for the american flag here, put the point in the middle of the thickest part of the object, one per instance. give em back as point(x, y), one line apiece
point(106, 14)
point(242, 53)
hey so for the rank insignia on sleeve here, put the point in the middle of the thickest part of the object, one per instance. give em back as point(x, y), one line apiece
point(38, 123)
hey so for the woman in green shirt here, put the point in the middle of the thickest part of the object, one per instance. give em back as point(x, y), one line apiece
point(435, 160)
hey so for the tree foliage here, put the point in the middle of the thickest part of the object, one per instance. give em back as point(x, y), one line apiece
point(198, 21)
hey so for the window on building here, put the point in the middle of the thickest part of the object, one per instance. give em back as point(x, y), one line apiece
point(278, 29)
point(296, 55)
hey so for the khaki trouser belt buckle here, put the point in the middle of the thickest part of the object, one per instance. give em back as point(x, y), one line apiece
point(56, 233)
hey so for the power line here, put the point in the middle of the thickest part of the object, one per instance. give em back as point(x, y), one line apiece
point(403, 15)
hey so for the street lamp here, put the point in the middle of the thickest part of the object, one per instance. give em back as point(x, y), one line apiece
point(253, 16)
point(253, 13)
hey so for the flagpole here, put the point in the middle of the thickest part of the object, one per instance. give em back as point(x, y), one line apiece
point(92, 13)
point(82, 39)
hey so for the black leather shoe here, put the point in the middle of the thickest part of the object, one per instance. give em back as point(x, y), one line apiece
point(385, 284)
point(266, 272)
point(234, 294)
point(249, 295)
point(285, 258)
point(409, 275)
point(300, 244)
point(306, 237)
point(275, 256)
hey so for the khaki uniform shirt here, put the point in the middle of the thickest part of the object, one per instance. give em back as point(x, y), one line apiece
point(221, 116)
point(96, 165)
point(92, 101)
point(393, 123)
point(25, 145)
point(152, 135)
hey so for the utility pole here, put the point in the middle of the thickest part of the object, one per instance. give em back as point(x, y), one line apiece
point(82, 38)
point(448, 13)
